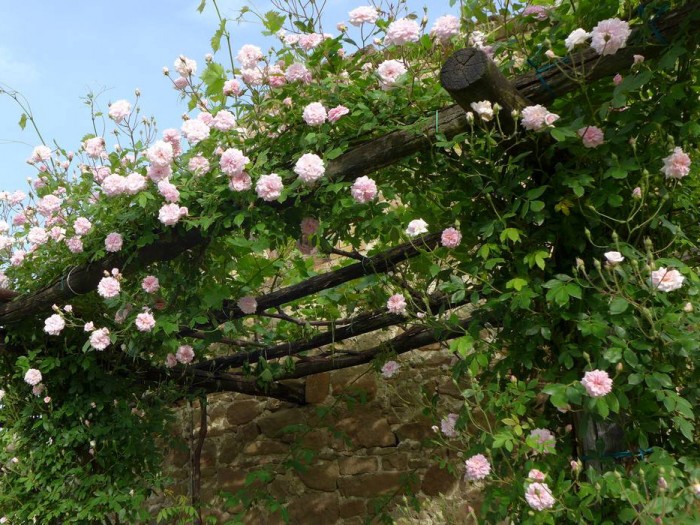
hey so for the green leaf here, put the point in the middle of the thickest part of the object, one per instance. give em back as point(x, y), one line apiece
point(23, 121)
point(618, 305)
point(516, 284)
point(201, 6)
point(216, 39)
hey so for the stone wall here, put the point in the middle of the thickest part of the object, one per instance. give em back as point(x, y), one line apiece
point(368, 435)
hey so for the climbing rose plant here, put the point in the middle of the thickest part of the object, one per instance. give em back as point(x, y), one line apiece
point(570, 239)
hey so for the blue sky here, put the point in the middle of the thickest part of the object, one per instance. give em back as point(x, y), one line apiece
point(54, 53)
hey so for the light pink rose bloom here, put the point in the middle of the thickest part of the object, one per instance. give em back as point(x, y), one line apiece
point(180, 83)
point(484, 109)
point(545, 440)
point(390, 369)
point(114, 185)
point(252, 76)
point(158, 173)
point(445, 27)
point(145, 322)
point(172, 137)
point(134, 183)
point(577, 36)
point(249, 55)
point(536, 475)
point(539, 496)
point(416, 227)
point(48, 205)
point(396, 304)
point(54, 324)
point(94, 147)
point(108, 287)
point(37, 390)
point(298, 73)
point(170, 214)
point(150, 284)
point(160, 154)
point(309, 226)
point(477, 467)
point(638, 59)
point(637, 193)
point(315, 114)
point(224, 121)
point(364, 190)
point(447, 425)
point(75, 245)
point(269, 187)
point(17, 257)
point(247, 304)
point(609, 36)
point(310, 168)
point(241, 182)
point(613, 258)
point(114, 242)
point(184, 354)
point(677, 164)
point(40, 154)
point(89, 327)
point(185, 66)
point(591, 136)
point(617, 79)
point(537, 118)
point(16, 197)
point(82, 226)
point(119, 110)
point(198, 165)
point(365, 14)
point(402, 32)
point(33, 377)
point(168, 190)
point(233, 161)
point(337, 112)
point(389, 73)
point(450, 238)
point(597, 383)
point(99, 339)
point(667, 280)
point(232, 88)
point(37, 236)
point(195, 130)
point(538, 12)
point(309, 41)
point(170, 360)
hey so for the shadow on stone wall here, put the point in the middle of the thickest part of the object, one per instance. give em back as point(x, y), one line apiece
point(369, 443)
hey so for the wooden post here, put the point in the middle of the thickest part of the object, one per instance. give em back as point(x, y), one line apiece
point(469, 75)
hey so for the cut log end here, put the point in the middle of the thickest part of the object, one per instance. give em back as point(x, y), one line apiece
point(463, 69)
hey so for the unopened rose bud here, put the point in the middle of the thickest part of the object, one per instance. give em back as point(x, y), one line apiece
point(137, 92)
point(515, 114)
point(619, 368)
point(688, 307)
point(470, 117)
point(208, 57)
point(663, 484)
point(166, 71)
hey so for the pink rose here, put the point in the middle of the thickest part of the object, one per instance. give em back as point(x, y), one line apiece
point(477, 467)
point(597, 383)
point(591, 136)
point(396, 304)
point(451, 238)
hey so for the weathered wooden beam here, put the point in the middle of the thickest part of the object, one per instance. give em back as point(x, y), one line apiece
point(469, 76)
point(380, 263)
point(83, 279)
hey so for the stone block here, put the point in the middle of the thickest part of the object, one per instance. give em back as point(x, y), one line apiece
point(353, 507)
point(369, 429)
point(265, 447)
point(244, 411)
point(321, 476)
point(272, 424)
point(438, 480)
point(351, 382)
point(316, 387)
point(371, 485)
point(415, 430)
point(314, 509)
point(357, 465)
point(395, 462)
